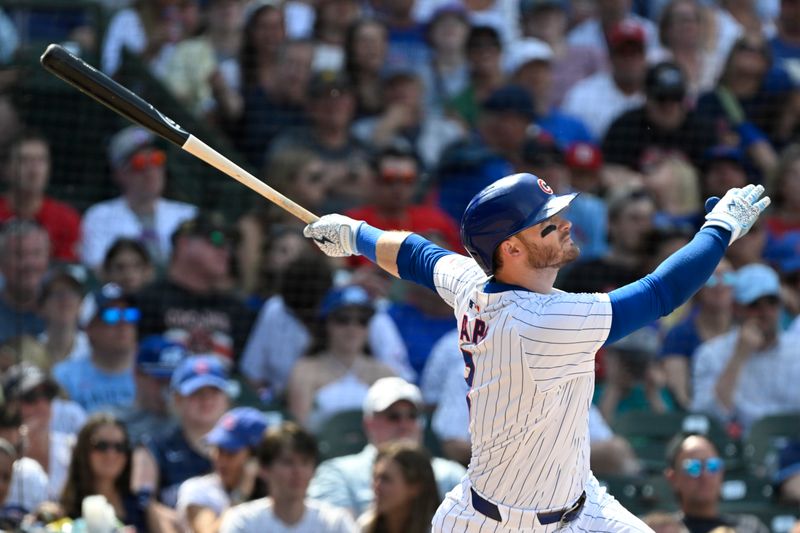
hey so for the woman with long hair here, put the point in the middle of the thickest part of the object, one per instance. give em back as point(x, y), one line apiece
point(365, 47)
point(406, 496)
point(101, 465)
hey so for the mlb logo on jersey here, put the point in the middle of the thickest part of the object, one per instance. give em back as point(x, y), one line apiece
point(544, 186)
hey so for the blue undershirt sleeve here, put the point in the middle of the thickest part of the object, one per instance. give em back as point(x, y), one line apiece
point(671, 284)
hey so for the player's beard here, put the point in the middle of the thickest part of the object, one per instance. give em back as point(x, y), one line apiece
point(540, 257)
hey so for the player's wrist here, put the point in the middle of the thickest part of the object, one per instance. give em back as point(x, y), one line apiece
point(366, 240)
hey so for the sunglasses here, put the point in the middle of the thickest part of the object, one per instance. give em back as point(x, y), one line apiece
point(399, 416)
point(392, 175)
point(150, 158)
point(115, 315)
point(343, 319)
point(768, 301)
point(107, 445)
point(694, 467)
point(727, 279)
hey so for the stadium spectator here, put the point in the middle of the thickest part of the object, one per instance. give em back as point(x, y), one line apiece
point(406, 495)
point(128, 264)
point(27, 174)
point(484, 53)
point(234, 442)
point(201, 395)
point(674, 184)
point(141, 211)
point(619, 89)
point(195, 63)
point(750, 248)
point(396, 177)
point(751, 371)
point(630, 220)
point(598, 31)
point(149, 30)
point(104, 380)
point(632, 380)
point(10, 515)
point(30, 392)
point(404, 118)
point(787, 476)
point(753, 17)
point(156, 360)
point(663, 126)
point(696, 472)
point(785, 183)
point(407, 45)
point(191, 305)
point(785, 43)
point(750, 103)
point(548, 20)
point(60, 305)
point(711, 315)
point(287, 456)
point(365, 54)
point(29, 480)
point(337, 377)
point(331, 108)
point(587, 212)
point(585, 163)
point(24, 257)
point(332, 19)
point(529, 64)
point(447, 74)
point(494, 151)
point(698, 38)
point(264, 110)
point(101, 464)
point(392, 412)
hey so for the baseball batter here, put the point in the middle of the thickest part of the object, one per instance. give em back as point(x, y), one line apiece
point(529, 348)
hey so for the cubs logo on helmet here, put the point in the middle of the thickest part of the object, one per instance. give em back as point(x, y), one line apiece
point(544, 186)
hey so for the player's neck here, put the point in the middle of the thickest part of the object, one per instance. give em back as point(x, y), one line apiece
point(539, 280)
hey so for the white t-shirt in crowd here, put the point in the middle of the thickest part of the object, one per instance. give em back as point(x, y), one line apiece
point(257, 516)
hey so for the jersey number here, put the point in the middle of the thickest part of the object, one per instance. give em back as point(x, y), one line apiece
point(469, 372)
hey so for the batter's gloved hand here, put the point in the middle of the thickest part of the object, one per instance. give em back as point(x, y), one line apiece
point(737, 211)
point(335, 235)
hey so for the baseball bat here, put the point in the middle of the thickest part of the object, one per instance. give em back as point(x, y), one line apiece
point(119, 99)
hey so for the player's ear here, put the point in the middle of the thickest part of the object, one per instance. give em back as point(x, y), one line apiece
point(511, 247)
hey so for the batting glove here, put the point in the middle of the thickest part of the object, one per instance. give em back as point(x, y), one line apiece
point(738, 210)
point(335, 235)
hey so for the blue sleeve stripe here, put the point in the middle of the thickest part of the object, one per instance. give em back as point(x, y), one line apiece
point(367, 241)
point(674, 281)
point(416, 259)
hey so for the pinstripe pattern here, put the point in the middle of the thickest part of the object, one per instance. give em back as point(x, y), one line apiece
point(530, 396)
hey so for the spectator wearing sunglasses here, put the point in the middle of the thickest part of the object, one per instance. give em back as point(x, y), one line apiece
point(101, 464)
point(392, 412)
point(753, 370)
point(104, 380)
point(140, 212)
point(696, 472)
point(192, 304)
point(711, 315)
point(336, 378)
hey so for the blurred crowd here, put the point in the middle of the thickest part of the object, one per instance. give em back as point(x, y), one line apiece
point(187, 366)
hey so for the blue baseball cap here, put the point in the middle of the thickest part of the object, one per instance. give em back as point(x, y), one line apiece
point(338, 297)
point(158, 357)
point(784, 252)
point(198, 371)
point(724, 152)
point(755, 281)
point(239, 428)
point(510, 99)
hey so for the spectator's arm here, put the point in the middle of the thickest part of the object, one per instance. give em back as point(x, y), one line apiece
point(144, 471)
point(676, 370)
point(300, 392)
point(202, 519)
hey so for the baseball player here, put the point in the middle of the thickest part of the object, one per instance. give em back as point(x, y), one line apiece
point(529, 348)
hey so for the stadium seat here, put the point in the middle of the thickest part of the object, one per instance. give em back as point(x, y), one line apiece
point(766, 437)
point(342, 434)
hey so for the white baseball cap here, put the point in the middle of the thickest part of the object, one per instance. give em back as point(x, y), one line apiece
point(755, 281)
point(386, 391)
point(526, 50)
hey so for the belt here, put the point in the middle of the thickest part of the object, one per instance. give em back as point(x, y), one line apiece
point(490, 510)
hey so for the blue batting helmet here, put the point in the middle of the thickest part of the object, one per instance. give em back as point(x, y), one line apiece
point(507, 206)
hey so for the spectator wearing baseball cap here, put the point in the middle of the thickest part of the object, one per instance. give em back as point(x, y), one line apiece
point(585, 163)
point(192, 303)
point(753, 370)
point(664, 126)
point(392, 411)
point(201, 394)
point(156, 359)
point(141, 212)
point(599, 99)
point(723, 167)
point(233, 441)
point(336, 378)
point(104, 380)
point(598, 32)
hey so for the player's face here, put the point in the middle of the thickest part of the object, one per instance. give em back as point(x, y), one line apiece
point(399, 422)
point(696, 480)
point(549, 248)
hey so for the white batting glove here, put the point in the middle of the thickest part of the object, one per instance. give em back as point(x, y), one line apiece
point(738, 210)
point(335, 235)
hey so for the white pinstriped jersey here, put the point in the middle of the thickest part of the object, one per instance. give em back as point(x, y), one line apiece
point(530, 363)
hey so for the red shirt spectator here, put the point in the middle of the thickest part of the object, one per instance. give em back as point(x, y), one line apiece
point(61, 221)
